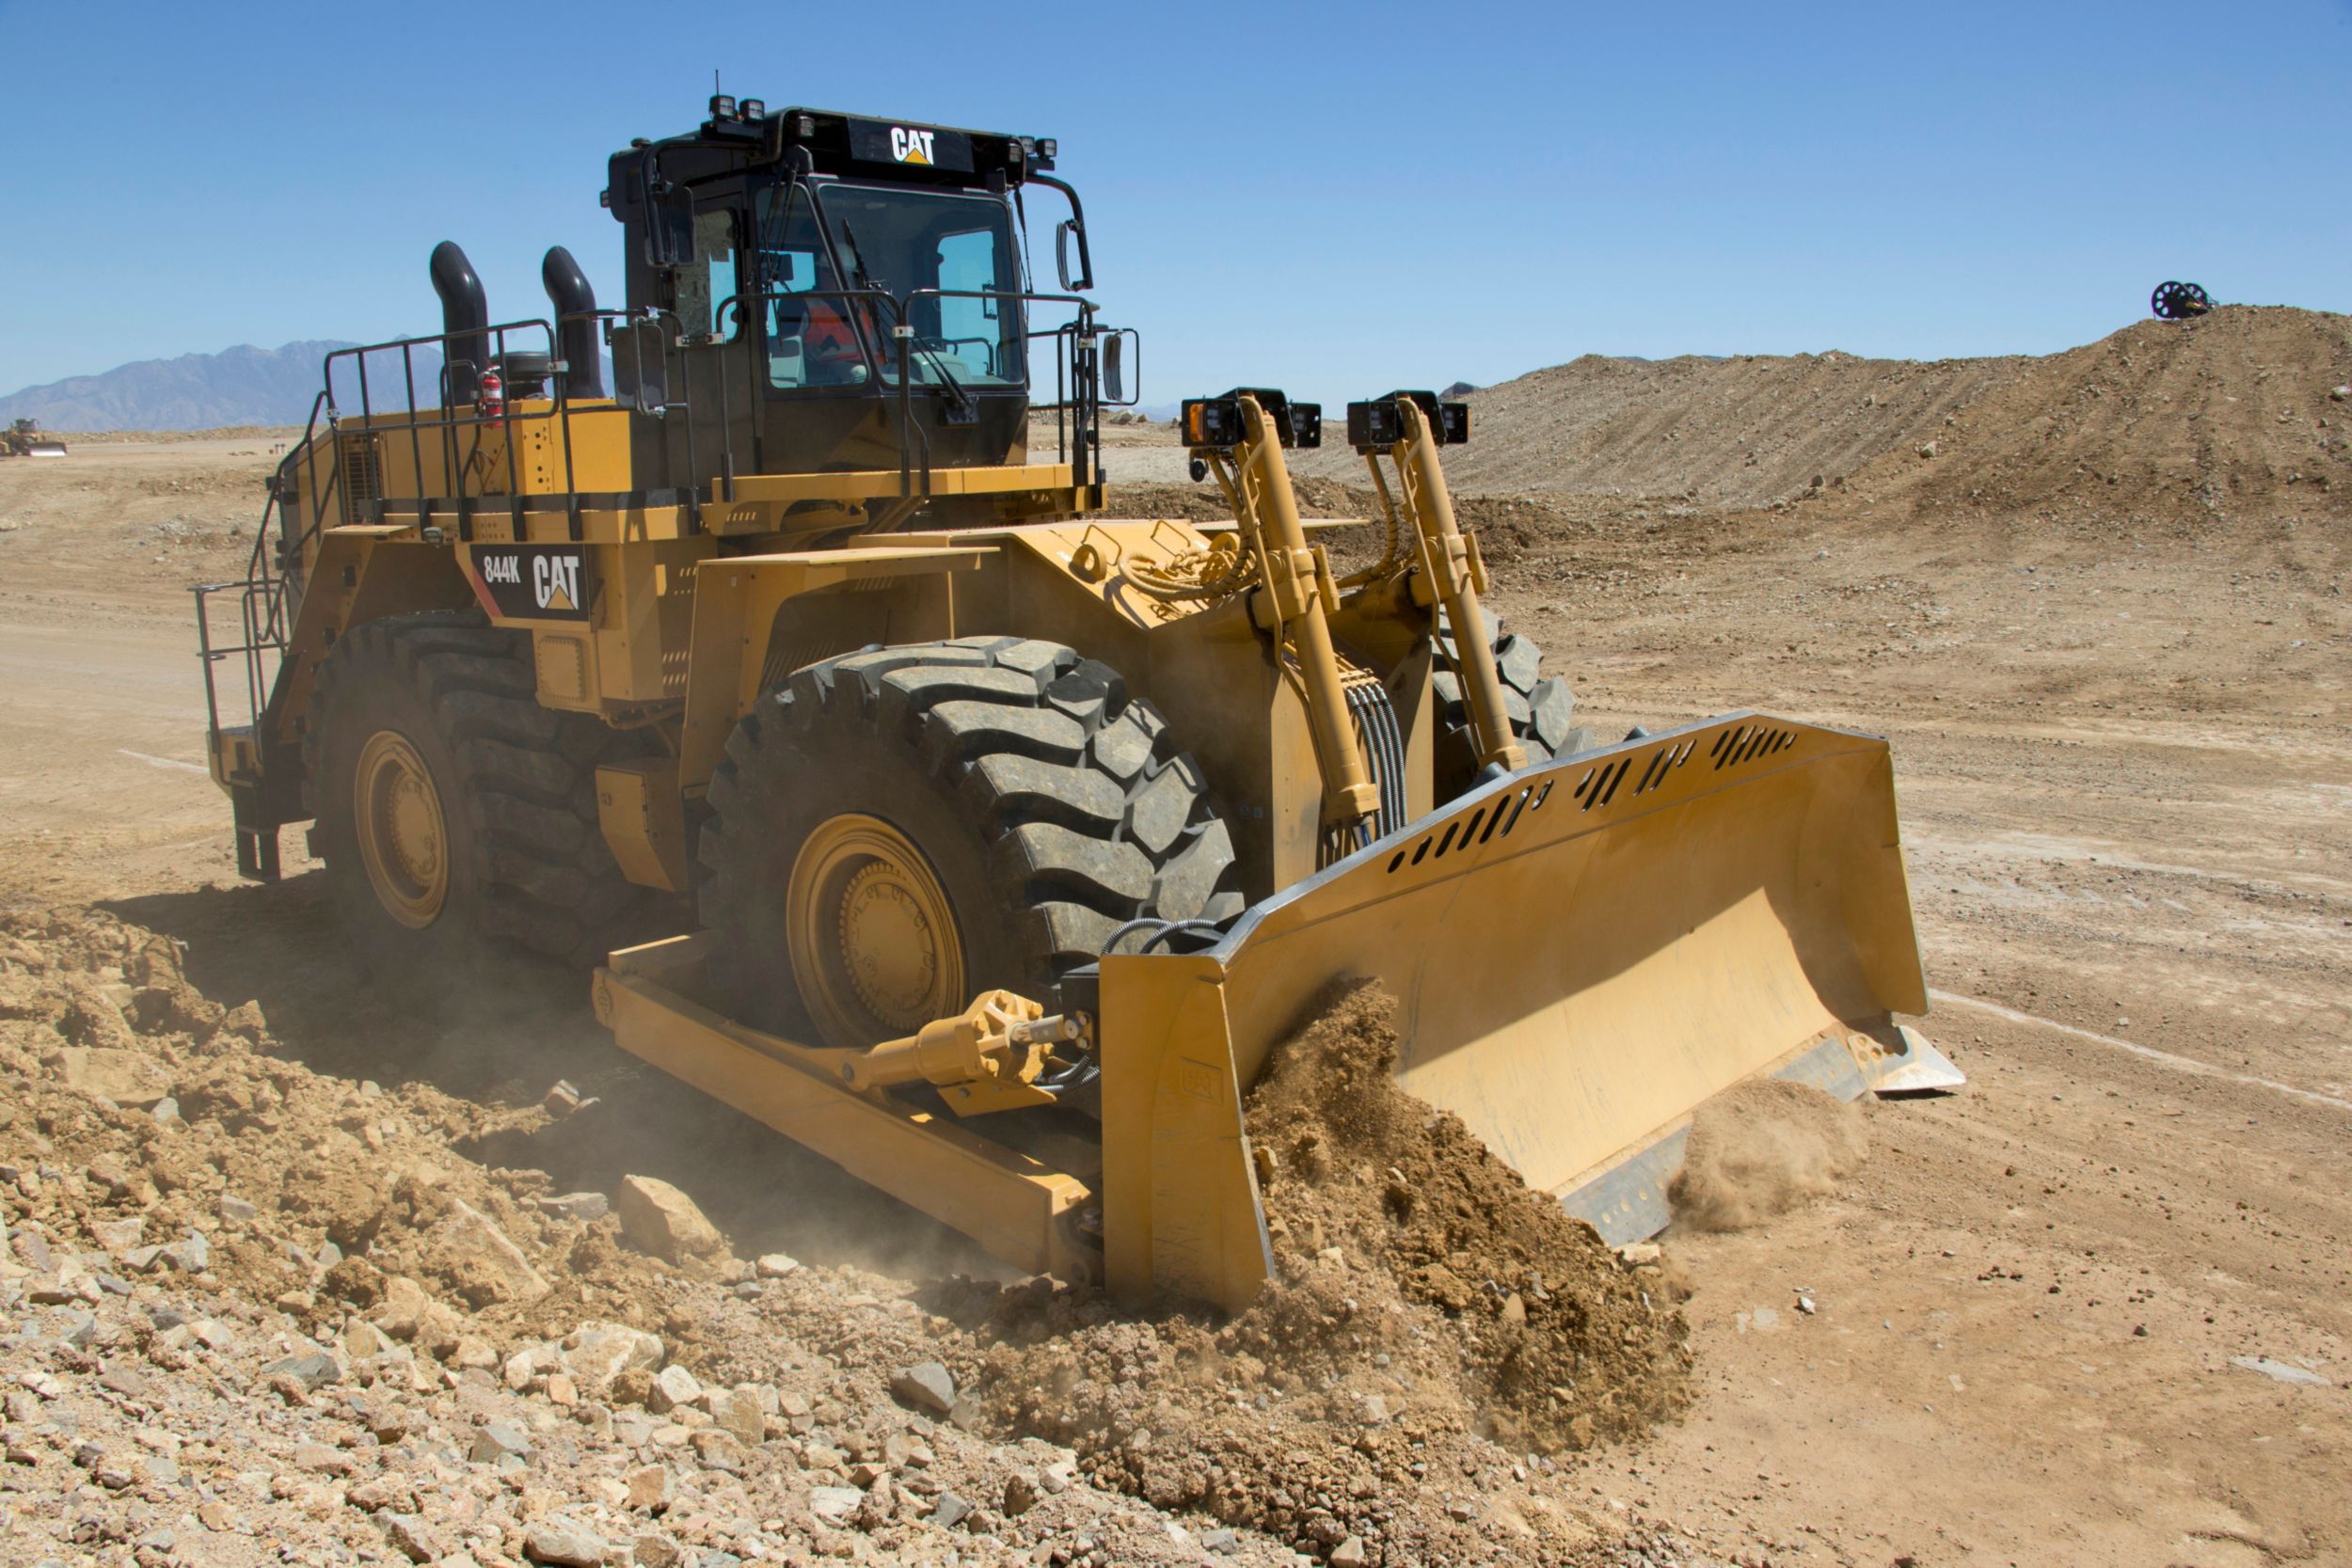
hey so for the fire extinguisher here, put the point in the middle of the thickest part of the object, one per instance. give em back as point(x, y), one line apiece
point(490, 402)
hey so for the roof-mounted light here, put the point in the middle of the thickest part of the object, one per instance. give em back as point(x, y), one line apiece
point(721, 105)
point(753, 108)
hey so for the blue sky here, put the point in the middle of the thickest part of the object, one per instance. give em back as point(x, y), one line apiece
point(1333, 200)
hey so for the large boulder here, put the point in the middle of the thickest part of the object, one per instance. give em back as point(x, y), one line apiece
point(663, 1221)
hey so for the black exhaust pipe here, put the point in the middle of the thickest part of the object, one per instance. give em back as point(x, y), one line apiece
point(465, 318)
point(568, 292)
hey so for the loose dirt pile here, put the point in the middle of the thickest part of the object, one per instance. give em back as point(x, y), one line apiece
point(1762, 1148)
point(2162, 419)
point(359, 1337)
point(1434, 1321)
point(308, 1191)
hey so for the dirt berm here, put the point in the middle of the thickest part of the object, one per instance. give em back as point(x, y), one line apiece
point(2172, 419)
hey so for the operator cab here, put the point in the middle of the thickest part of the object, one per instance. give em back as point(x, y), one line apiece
point(837, 290)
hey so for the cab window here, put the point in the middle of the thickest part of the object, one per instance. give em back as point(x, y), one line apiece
point(969, 329)
point(930, 252)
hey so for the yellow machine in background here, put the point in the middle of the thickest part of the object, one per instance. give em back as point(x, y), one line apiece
point(1016, 836)
point(22, 439)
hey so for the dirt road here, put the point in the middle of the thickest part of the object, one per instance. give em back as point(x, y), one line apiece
point(2127, 797)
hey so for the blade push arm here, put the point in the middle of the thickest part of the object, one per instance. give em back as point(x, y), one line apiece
point(1296, 595)
point(1449, 564)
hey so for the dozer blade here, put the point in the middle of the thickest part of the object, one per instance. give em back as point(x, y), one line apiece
point(1581, 954)
point(44, 448)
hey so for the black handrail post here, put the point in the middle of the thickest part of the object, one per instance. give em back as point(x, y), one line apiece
point(562, 410)
point(726, 410)
point(905, 335)
point(416, 441)
point(204, 653)
point(506, 429)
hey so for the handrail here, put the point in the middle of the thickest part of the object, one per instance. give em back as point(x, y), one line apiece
point(272, 573)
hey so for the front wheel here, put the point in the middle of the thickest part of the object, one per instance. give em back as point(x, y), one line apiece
point(896, 830)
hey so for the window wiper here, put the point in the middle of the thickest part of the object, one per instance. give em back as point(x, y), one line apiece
point(960, 400)
point(964, 411)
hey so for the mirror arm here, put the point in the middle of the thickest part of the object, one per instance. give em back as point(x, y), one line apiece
point(1077, 212)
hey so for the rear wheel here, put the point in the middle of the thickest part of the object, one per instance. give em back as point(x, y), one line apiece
point(457, 816)
point(897, 830)
point(1542, 708)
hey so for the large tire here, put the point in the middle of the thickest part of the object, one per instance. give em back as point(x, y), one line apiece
point(960, 816)
point(440, 712)
point(1542, 708)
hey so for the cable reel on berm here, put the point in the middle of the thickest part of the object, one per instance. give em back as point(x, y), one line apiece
point(2179, 301)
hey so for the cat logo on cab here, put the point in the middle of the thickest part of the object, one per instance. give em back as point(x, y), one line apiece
point(533, 583)
point(910, 146)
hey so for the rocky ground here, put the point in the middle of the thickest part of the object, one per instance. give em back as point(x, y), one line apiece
point(250, 1313)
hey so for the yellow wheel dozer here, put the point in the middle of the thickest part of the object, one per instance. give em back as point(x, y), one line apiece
point(1015, 836)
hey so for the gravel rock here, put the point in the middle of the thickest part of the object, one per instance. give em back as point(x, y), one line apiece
point(673, 1386)
point(496, 1440)
point(312, 1371)
point(565, 1543)
point(596, 1355)
point(132, 1079)
point(414, 1538)
point(834, 1504)
point(736, 1412)
point(926, 1386)
point(582, 1207)
point(663, 1221)
point(649, 1487)
point(481, 1261)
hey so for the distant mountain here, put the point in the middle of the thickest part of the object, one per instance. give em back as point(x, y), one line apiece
point(195, 392)
point(236, 387)
point(242, 386)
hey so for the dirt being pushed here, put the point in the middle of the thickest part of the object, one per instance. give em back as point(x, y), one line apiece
point(1761, 1148)
point(1434, 1332)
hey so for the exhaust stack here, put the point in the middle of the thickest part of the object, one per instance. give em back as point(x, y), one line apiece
point(569, 290)
point(465, 318)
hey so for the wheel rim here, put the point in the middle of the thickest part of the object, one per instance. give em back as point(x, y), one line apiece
point(874, 940)
point(403, 838)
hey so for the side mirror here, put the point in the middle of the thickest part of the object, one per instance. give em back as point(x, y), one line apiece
point(1116, 385)
point(1062, 235)
point(640, 366)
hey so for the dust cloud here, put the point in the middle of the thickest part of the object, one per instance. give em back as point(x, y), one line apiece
point(1761, 1149)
